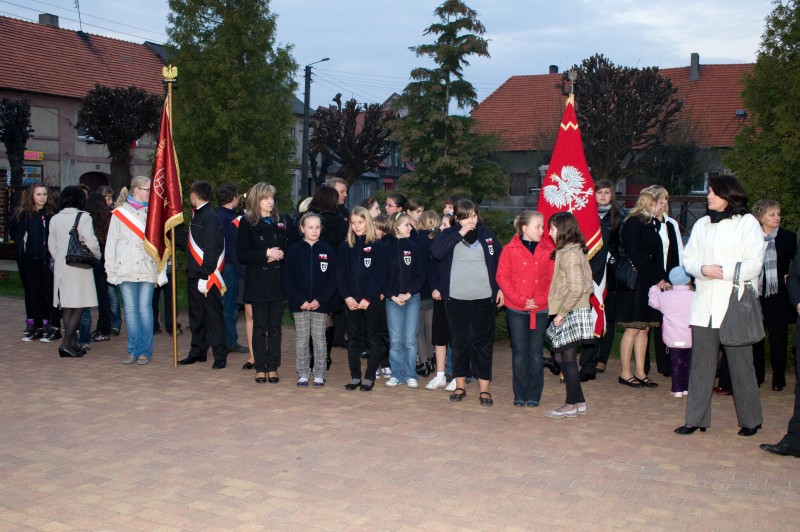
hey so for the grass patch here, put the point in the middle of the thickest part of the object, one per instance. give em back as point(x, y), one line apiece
point(12, 287)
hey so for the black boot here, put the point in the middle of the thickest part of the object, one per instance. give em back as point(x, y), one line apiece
point(551, 364)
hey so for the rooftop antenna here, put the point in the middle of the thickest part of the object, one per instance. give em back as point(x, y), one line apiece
point(78, 7)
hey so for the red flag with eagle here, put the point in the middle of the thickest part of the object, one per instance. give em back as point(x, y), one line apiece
point(568, 187)
point(165, 208)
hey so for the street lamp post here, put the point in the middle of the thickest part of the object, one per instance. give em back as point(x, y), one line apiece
point(306, 111)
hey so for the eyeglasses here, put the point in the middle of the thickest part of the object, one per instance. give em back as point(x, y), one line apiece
point(145, 189)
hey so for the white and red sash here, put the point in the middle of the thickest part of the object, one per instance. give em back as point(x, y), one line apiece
point(130, 220)
point(597, 301)
point(236, 221)
point(215, 279)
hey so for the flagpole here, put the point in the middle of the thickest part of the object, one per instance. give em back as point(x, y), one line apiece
point(170, 81)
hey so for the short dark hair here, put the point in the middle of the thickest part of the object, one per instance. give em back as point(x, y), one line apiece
point(398, 199)
point(463, 208)
point(728, 188)
point(72, 197)
point(226, 193)
point(453, 199)
point(325, 199)
point(201, 189)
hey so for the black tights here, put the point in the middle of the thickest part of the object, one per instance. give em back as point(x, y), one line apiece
point(71, 319)
point(569, 367)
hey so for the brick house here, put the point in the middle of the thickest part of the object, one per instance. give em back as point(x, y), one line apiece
point(525, 112)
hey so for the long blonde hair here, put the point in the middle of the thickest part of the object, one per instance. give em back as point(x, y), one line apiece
point(429, 220)
point(644, 205)
point(259, 191)
point(371, 235)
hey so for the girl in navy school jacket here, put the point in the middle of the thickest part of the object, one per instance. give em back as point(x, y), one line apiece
point(405, 276)
point(359, 276)
point(309, 278)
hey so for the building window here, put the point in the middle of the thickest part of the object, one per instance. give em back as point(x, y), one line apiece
point(518, 184)
point(700, 182)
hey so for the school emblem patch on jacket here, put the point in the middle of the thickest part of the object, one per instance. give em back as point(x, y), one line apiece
point(489, 244)
point(367, 260)
point(407, 257)
point(323, 262)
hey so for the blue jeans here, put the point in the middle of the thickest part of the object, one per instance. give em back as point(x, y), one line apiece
point(230, 304)
point(114, 310)
point(137, 298)
point(527, 354)
point(403, 325)
point(85, 327)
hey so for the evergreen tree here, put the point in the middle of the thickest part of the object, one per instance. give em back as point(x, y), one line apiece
point(766, 154)
point(448, 155)
point(15, 129)
point(356, 147)
point(117, 117)
point(232, 99)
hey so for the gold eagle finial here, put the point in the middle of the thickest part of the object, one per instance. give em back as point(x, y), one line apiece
point(170, 73)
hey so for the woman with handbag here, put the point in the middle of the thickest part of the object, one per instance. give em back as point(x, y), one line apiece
point(726, 237)
point(568, 303)
point(73, 285)
point(640, 240)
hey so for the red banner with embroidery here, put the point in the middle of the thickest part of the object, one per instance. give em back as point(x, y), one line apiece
point(215, 279)
point(165, 208)
point(131, 222)
point(568, 185)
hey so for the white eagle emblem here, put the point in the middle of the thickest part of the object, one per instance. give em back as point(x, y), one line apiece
point(568, 190)
point(407, 257)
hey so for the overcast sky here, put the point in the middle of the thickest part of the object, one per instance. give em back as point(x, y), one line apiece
point(367, 42)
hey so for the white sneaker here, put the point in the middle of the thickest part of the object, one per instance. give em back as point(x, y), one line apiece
point(412, 383)
point(677, 394)
point(391, 383)
point(387, 372)
point(685, 393)
point(562, 413)
point(436, 382)
point(451, 386)
point(582, 410)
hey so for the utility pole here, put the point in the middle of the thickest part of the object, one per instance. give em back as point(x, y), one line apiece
point(306, 112)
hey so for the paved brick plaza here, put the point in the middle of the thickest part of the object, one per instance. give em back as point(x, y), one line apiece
point(90, 444)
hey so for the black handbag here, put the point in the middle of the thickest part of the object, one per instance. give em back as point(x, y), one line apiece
point(622, 274)
point(743, 323)
point(78, 255)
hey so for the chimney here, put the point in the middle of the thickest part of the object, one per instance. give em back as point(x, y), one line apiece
point(553, 69)
point(694, 68)
point(46, 19)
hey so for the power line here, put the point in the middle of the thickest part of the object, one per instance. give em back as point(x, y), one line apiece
point(101, 18)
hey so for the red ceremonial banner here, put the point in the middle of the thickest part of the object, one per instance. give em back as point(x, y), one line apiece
point(568, 186)
point(165, 209)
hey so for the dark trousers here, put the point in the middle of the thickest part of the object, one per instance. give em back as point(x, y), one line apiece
point(681, 359)
point(166, 290)
point(527, 354)
point(663, 360)
point(792, 437)
point(267, 317)
point(364, 334)
point(471, 326)
point(103, 304)
point(37, 281)
point(384, 360)
point(207, 322)
point(230, 303)
point(778, 334)
point(606, 343)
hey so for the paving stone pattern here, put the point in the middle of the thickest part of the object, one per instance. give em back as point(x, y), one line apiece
point(91, 444)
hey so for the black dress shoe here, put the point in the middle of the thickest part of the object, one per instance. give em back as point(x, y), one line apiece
point(687, 429)
point(352, 386)
point(586, 377)
point(552, 365)
point(67, 352)
point(237, 348)
point(633, 382)
point(776, 389)
point(273, 380)
point(248, 365)
point(191, 360)
point(744, 431)
point(261, 380)
point(219, 364)
point(646, 382)
point(780, 448)
point(366, 387)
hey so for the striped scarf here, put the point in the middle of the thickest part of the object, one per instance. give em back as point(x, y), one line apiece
point(770, 270)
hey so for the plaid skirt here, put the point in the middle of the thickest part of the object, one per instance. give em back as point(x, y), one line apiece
point(576, 329)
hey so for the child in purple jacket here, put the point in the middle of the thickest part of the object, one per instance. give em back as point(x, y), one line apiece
point(675, 305)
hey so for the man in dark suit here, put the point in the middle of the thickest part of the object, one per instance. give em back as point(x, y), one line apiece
point(204, 260)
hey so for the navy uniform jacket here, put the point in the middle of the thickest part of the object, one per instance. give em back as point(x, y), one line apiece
point(262, 280)
point(442, 250)
point(309, 274)
point(207, 233)
point(405, 267)
point(361, 270)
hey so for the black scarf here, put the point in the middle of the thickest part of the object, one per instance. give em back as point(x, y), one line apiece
point(472, 236)
point(528, 244)
point(717, 217)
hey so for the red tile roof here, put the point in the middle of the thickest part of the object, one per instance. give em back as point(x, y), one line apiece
point(46, 60)
point(526, 110)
